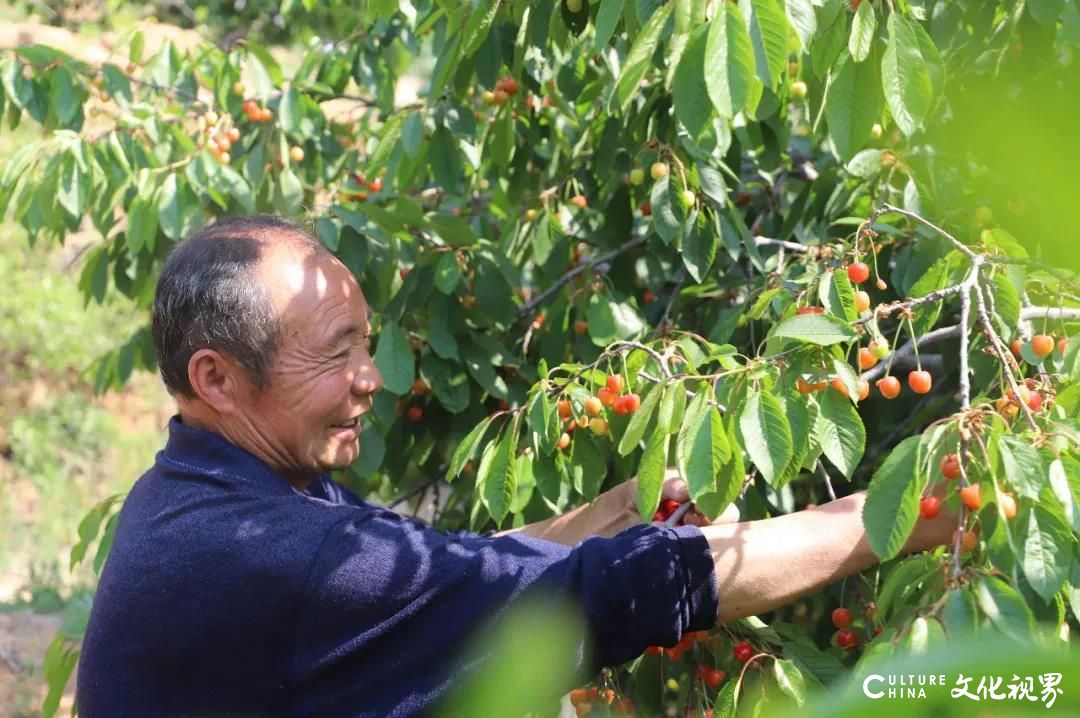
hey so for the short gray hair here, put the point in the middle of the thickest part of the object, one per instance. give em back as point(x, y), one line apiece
point(209, 296)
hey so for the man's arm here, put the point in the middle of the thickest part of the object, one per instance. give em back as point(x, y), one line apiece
point(762, 565)
point(614, 511)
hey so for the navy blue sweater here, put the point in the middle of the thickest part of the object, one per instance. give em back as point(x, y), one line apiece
point(230, 592)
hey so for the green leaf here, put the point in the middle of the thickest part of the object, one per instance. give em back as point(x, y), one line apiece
point(766, 434)
point(607, 17)
point(790, 680)
point(959, 613)
point(1046, 549)
point(477, 27)
point(819, 329)
point(837, 295)
point(1022, 466)
point(89, 528)
point(62, 96)
point(800, 14)
point(702, 446)
point(105, 545)
point(388, 139)
point(71, 190)
point(610, 320)
point(292, 192)
point(544, 424)
point(288, 114)
point(497, 476)
point(672, 407)
point(699, 250)
point(588, 469)
point(171, 209)
point(853, 105)
point(729, 62)
point(142, 225)
point(447, 273)
point(840, 432)
point(639, 421)
point(905, 77)
point(905, 577)
point(865, 164)
point(639, 59)
point(692, 105)
point(768, 28)
point(1005, 608)
point(394, 359)
point(892, 500)
point(466, 449)
point(651, 472)
point(862, 32)
point(668, 214)
point(455, 231)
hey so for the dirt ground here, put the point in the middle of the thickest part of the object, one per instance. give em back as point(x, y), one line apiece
point(24, 636)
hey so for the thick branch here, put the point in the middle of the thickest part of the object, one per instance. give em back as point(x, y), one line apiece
point(584, 266)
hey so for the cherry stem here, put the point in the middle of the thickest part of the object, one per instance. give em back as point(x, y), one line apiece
point(914, 342)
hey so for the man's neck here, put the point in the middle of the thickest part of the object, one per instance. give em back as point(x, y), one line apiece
point(196, 420)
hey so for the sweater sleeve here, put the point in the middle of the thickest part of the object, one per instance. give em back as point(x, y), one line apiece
point(384, 586)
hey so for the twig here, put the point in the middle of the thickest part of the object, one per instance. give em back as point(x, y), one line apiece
point(908, 349)
point(999, 349)
point(884, 310)
point(784, 244)
point(828, 481)
point(651, 352)
point(584, 266)
point(412, 492)
point(1063, 313)
point(886, 207)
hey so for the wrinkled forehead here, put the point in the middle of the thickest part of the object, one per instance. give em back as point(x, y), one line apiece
point(311, 291)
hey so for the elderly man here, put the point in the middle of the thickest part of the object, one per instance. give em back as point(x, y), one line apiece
point(243, 581)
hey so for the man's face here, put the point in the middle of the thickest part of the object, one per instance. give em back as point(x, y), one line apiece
point(323, 377)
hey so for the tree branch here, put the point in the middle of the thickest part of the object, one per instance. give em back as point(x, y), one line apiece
point(545, 295)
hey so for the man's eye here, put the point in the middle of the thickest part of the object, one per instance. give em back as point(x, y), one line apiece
point(342, 355)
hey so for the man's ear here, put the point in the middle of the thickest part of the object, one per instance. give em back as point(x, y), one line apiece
point(216, 380)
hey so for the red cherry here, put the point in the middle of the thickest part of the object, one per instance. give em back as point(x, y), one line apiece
point(970, 496)
point(714, 677)
point(950, 467)
point(930, 507)
point(1042, 345)
point(416, 414)
point(743, 651)
point(858, 272)
point(919, 381)
point(614, 383)
point(889, 387)
point(846, 639)
point(632, 402)
point(841, 617)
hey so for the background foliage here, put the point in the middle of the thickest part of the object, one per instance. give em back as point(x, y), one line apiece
point(673, 192)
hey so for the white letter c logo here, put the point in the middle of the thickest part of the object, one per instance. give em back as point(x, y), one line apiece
point(866, 686)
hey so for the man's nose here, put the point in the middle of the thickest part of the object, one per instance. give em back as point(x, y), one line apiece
point(367, 379)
